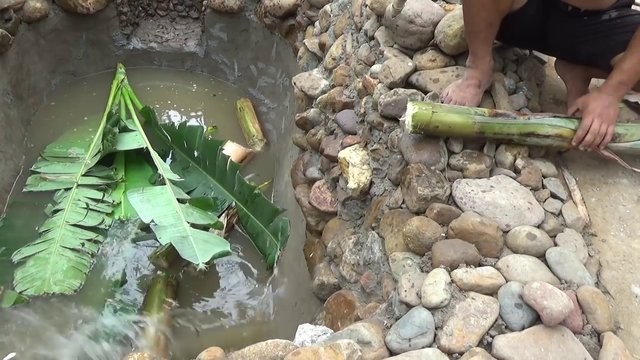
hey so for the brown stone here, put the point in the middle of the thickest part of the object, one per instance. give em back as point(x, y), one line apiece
point(367, 311)
point(337, 99)
point(324, 282)
point(341, 24)
point(341, 75)
point(422, 187)
point(369, 84)
point(388, 285)
point(477, 354)
point(297, 171)
point(542, 195)
point(596, 307)
point(330, 147)
point(340, 350)
point(212, 353)
point(314, 251)
point(613, 348)
point(267, 350)
point(369, 281)
point(420, 233)
point(335, 228)
point(315, 137)
point(452, 253)
point(484, 280)
point(309, 119)
point(548, 301)
point(323, 198)
point(391, 226)
point(531, 177)
point(443, 214)
point(484, 233)
point(341, 310)
point(573, 321)
point(315, 219)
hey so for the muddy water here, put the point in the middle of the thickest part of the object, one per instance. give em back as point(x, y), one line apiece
point(229, 305)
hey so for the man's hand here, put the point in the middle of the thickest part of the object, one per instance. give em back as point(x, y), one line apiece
point(599, 112)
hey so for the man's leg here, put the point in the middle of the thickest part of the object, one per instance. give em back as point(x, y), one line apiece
point(482, 19)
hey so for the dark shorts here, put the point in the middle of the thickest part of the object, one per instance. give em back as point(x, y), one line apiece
point(552, 27)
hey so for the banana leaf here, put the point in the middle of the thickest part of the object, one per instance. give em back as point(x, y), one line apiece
point(135, 172)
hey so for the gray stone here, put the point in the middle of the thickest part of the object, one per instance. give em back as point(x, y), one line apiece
point(324, 282)
point(572, 240)
point(393, 104)
point(413, 28)
point(436, 80)
point(308, 334)
point(378, 6)
point(404, 263)
point(84, 7)
point(443, 214)
point(501, 171)
point(383, 37)
point(418, 149)
point(436, 289)
point(507, 154)
point(432, 58)
point(366, 334)
point(5, 41)
point(513, 310)
point(422, 186)
point(422, 354)
point(409, 288)
point(484, 280)
point(420, 233)
point(542, 195)
point(518, 101)
point(311, 83)
point(547, 168)
point(455, 145)
point(556, 188)
point(452, 253)
point(348, 121)
point(552, 225)
point(479, 231)
point(500, 199)
point(449, 34)
point(553, 206)
point(539, 342)
point(395, 72)
point(472, 164)
point(524, 269)
point(572, 217)
point(415, 330)
point(566, 266)
point(551, 303)
point(528, 240)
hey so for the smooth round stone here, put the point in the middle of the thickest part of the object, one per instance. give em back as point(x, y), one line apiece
point(566, 265)
point(513, 310)
point(404, 262)
point(572, 240)
point(415, 330)
point(485, 280)
point(596, 308)
point(613, 348)
point(451, 253)
point(420, 233)
point(436, 289)
point(550, 303)
point(528, 240)
point(574, 321)
point(409, 288)
point(538, 343)
point(524, 269)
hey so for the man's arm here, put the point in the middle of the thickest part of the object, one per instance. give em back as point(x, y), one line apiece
point(600, 107)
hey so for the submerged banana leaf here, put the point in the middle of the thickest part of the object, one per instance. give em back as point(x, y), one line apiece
point(57, 262)
point(211, 173)
point(134, 172)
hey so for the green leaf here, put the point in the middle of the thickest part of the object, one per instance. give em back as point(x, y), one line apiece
point(135, 172)
point(129, 140)
point(11, 298)
point(201, 161)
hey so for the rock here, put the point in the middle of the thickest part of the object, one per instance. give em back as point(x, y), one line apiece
point(525, 269)
point(335, 53)
point(393, 104)
point(324, 282)
point(516, 314)
point(548, 301)
point(500, 199)
point(552, 225)
point(340, 310)
point(314, 251)
point(11, 4)
point(449, 34)
point(593, 265)
point(528, 240)
point(518, 101)
point(339, 350)
point(596, 308)
point(378, 6)
point(309, 119)
point(415, 330)
point(383, 37)
point(348, 121)
point(431, 59)
point(473, 164)
point(368, 335)
point(409, 288)
point(342, 75)
point(443, 214)
point(391, 226)
point(436, 80)
point(452, 253)
point(323, 198)
point(420, 233)
point(418, 149)
point(84, 7)
point(330, 147)
point(315, 219)
point(308, 334)
point(572, 241)
point(542, 195)
point(566, 266)
point(479, 231)
point(530, 177)
point(500, 94)
point(34, 11)
point(280, 8)
point(477, 354)
point(422, 354)
point(539, 342)
point(553, 206)
point(573, 321)
point(311, 83)
point(336, 99)
point(572, 217)
point(507, 154)
point(335, 230)
point(5, 41)
point(403, 263)
point(212, 353)
point(501, 171)
point(267, 350)
point(556, 188)
point(436, 289)
point(395, 72)
point(422, 186)
point(613, 348)
point(455, 145)
point(484, 280)
point(413, 28)
point(355, 165)
point(547, 168)
point(467, 323)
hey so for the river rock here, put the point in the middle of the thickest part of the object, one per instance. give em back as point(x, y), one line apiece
point(539, 342)
point(420, 233)
point(552, 225)
point(613, 348)
point(547, 168)
point(573, 321)
point(369, 336)
point(548, 301)
point(516, 314)
point(477, 354)
point(443, 214)
point(340, 310)
point(415, 330)
point(267, 350)
point(391, 227)
point(5, 41)
point(335, 230)
point(212, 353)
point(436, 289)
point(422, 354)
point(479, 231)
point(528, 240)
point(315, 219)
point(84, 7)
point(422, 186)
point(311, 83)
point(572, 217)
point(505, 172)
point(355, 165)
point(409, 288)
point(335, 54)
point(348, 121)
point(452, 253)
point(404, 263)
point(436, 80)
point(525, 269)
point(449, 34)
point(308, 334)
point(531, 177)
point(413, 28)
point(323, 198)
point(553, 206)
point(393, 104)
point(432, 58)
point(506, 155)
point(14, 5)
point(473, 164)
point(484, 280)
point(566, 266)
point(596, 308)
point(572, 240)
point(378, 6)
point(556, 188)
point(34, 10)
point(500, 199)
point(518, 101)
point(339, 350)
point(395, 72)
point(419, 149)
point(467, 323)
point(324, 282)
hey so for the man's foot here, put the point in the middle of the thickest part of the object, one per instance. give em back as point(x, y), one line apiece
point(468, 90)
point(576, 79)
